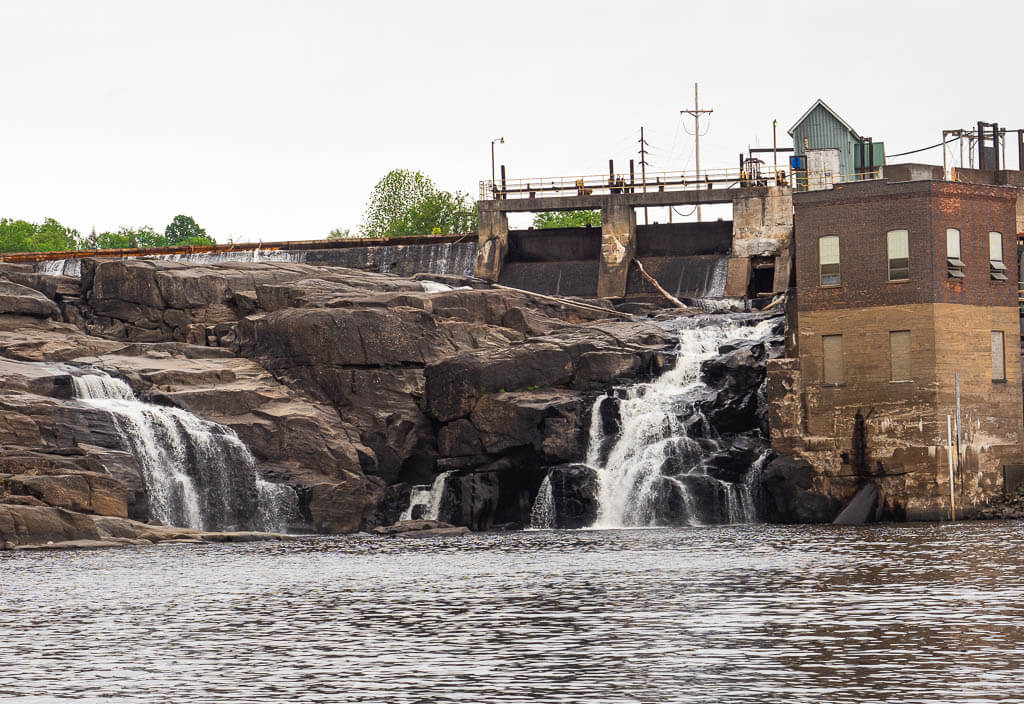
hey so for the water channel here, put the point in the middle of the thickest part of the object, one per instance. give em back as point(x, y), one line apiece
point(743, 613)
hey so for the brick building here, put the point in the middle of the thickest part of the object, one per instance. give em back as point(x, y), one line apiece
point(899, 287)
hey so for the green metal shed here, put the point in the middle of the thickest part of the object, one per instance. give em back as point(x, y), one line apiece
point(822, 128)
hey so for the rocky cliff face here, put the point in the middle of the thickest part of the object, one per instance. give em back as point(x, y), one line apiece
point(349, 386)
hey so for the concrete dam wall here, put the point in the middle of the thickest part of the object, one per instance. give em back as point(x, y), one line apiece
point(688, 259)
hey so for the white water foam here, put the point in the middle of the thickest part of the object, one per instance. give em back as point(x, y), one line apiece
point(429, 496)
point(60, 267)
point(543, 513)
point(630, 476)
point(198, 474)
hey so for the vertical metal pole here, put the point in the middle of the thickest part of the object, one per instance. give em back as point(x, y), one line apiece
point(493, 184)
point(632, 175)
point(959, 463)
point(503, 184)
point(775, 152)
point(944, 170)
point(696, 112)
point(611, 172)
point(696, 132)
point(643, 168)
point(949, 452)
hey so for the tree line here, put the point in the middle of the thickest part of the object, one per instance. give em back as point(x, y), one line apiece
point(52, 236)
point(406, 203)
point(403, 203)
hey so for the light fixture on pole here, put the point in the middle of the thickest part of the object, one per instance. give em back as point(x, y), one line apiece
point(499, 140)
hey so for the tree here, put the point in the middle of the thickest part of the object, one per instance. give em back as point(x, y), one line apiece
point(126, 238)
point(408, 203)
point(340, 233)
point(568, 218)
point(24, 236)
point(183, 230)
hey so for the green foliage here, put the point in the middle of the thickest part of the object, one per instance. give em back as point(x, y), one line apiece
point(183, 230)
point(568, 218)
point(126, 238)
point(408, 203)
point(24, 236)
point(340, 233)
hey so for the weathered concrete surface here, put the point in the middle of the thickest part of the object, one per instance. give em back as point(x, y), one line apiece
point(738, 279)
point(492, 243)
point(762, 225)
point(905, 423)
point(618, 248)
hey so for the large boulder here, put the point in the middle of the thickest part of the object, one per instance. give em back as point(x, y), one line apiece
point(789, 497)
point(574, 490)
point(16, 299)
point(21, 525)
point(84, 492)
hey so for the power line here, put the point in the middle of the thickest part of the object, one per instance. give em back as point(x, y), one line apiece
point(922, 149)
point(696, 112)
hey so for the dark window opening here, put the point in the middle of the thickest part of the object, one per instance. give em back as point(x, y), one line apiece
point(763, 280)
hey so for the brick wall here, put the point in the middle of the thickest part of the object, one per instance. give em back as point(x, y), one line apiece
point(906, 420)
point(862, 213)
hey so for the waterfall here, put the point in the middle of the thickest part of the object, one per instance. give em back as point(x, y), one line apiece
point(543, 513)
point(657, 456)
point(244, 255)
point(427, 496)
point(73, 267)
point(198, 474)
point(60, 267)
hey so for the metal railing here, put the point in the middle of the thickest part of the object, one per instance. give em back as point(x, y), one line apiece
point(615, 183)
point(626, 183)
point(820, 180)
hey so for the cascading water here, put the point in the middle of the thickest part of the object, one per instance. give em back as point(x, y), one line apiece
point(543, 513)
point(198, 474)
point(60, 267)
point(245, 255)
point(658, 455)
point(651, 445)
point(73, 266)
point(428, 497)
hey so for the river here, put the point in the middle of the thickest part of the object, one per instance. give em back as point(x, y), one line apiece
point(755, 613)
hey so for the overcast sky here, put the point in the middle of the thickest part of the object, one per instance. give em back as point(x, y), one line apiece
point(273, 120)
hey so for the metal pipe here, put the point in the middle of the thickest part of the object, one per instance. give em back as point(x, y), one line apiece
point(949, 453)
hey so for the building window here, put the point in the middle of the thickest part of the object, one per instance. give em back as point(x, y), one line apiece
point(828, 260)
point(996, 267)
point(832, 354)
point(899, 355)
point(953, 260)
point(998, 356)
point(899, 255)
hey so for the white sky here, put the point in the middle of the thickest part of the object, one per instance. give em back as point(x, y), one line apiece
point(273, 120)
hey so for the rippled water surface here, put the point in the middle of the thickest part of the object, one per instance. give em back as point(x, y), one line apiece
point(930, 613)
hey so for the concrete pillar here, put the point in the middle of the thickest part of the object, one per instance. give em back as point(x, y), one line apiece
point(492, 243)
point(618, 247)
point(783, 265)
point(737, 277)
point(762, 226)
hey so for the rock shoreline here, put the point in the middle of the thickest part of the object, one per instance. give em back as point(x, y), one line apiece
point(349, 386)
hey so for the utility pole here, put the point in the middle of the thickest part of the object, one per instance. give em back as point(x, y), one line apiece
point(696, 112)
point(643, 167)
